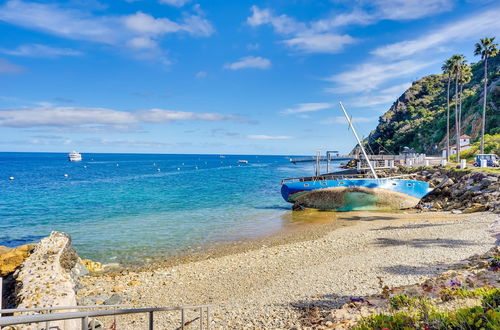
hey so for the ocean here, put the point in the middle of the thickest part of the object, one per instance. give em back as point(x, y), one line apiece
point(128, 208)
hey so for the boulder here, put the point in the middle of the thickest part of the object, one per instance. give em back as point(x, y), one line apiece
point(476, 207)
point(12, 258)
point(93, 266)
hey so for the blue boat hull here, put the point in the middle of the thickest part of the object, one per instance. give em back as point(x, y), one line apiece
point(355, 194)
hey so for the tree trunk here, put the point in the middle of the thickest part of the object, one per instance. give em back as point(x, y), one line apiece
point(457, 129)
point(448, 122)
point(484, 102)
point(460, 107)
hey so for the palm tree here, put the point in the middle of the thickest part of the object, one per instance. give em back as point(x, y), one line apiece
point(446, 67)
point(457, 65)
point(486, 48)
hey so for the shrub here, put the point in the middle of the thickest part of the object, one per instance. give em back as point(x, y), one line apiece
point(485, 316)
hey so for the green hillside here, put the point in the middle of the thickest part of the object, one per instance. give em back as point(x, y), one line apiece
point(418, 117)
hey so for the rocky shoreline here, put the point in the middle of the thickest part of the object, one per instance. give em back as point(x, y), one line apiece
point(462, 191)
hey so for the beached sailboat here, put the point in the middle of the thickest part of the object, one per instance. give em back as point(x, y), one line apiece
point(353, 192)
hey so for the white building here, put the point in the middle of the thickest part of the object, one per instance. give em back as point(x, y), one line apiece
point(464, 145)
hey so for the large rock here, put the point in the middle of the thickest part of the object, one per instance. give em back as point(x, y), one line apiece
point(12, 258)
point(45, 278)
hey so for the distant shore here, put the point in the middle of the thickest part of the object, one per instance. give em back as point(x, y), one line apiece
point(266, 283)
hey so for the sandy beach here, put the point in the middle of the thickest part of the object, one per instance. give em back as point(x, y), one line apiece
point(266, 284)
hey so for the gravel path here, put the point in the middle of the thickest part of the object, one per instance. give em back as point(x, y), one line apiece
point(266, 287)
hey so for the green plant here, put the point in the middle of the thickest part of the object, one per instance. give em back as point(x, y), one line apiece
point(424, 316)
point(402, 300)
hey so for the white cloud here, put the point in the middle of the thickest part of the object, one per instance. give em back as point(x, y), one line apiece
point(197, 26)
point(322, 36)
point(147, 24)
point(371, 75)
point(358, 17)
point(175, 3)
point(304, 38)
point(80, 116)
point(142, 43)
point(319, 43)
point(201, 74)
point(474, 26)
point(255, 62)
point(410, 9)
point(37, 50)
point(382, 97)
point(306, 107)
point(269, 137)
point(8, 68)
point(342, 120)
point(137, 31)
point(68, 23)
point(282, 24)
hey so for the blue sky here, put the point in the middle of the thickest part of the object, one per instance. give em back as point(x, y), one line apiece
point(228, 77)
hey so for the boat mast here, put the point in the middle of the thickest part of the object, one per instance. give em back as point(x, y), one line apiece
point(359, 141)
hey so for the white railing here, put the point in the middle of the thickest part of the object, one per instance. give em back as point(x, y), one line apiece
point(204, 314)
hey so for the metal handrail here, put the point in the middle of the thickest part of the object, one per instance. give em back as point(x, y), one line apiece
point(324, 177)
point(55, 308)
point(84, 316)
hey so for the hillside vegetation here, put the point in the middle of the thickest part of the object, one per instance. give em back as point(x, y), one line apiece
point(418, 117)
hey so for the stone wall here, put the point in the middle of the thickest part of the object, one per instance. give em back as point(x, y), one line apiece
point(47, 278)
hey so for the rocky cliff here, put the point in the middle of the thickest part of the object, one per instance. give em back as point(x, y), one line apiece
point(418, 117)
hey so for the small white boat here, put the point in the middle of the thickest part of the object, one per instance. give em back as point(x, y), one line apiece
point(243, 161)
point(75, 156)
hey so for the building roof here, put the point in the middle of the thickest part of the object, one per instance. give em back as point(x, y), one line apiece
point(454, 146)
point(465, 136)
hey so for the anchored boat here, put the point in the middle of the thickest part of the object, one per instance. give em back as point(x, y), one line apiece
point(74, 156)
point(353, 192)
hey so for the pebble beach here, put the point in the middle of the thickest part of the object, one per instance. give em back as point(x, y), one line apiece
point(269, 283)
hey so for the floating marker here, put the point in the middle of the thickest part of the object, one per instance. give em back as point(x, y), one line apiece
point(196, 167)
point(158, 169)
point(11, 178)
point(84, 166)
point(154, 164)
point(182, 163)
point(65, 175)
point(117, 164)
point(178, 168)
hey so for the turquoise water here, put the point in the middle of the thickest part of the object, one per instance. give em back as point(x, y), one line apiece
point(120, 208)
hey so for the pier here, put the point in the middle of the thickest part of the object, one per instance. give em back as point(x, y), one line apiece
point(377, 161)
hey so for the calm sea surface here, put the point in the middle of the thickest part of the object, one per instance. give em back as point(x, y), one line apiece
point(120, 208)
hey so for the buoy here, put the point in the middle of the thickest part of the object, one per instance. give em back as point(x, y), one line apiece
point(154, 164)
point(117, 164)
point(196, 167)
point(178, 168)
point(11, 178)
point(65, 175)
point(158, 169)
point(84, 166)
point(182, 163)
